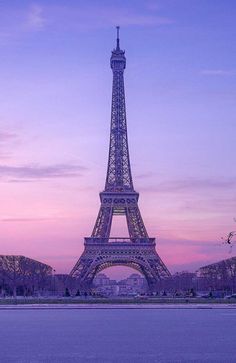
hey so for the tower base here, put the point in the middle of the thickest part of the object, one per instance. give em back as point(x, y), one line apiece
point(100, 253)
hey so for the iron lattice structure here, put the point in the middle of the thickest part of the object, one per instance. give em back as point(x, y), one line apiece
point(119, 198)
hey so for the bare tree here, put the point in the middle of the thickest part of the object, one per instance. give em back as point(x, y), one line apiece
point(230, 239)
point(219, 275)
point(20, 271)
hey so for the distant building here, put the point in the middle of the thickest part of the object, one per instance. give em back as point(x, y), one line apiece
point(134, 284)
point(104, 285)
point(135, 280)
point(101, 280)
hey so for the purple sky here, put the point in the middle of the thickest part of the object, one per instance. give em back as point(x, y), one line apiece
point(54, 123)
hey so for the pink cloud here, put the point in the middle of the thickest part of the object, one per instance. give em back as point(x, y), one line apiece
point(37, 172)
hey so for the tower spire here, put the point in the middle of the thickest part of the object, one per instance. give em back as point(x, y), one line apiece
point(118, 38)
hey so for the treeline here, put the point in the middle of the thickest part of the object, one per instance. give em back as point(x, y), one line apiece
point(21, 275)
point(217, 276)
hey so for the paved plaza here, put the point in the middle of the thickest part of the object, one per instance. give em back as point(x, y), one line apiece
point(195, 334)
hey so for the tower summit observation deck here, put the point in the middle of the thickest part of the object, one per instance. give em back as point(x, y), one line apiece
point(119, 198)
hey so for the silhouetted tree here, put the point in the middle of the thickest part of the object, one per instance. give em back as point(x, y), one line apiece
point(230, 240)
point(77, 293)
point(23, 272)
point(67, 292)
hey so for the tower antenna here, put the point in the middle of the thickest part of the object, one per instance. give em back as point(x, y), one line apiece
point(118, 38)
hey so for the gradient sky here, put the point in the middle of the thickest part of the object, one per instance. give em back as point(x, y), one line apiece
point(55, 115)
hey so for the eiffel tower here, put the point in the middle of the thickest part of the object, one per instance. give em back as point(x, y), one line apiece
point(119, 198)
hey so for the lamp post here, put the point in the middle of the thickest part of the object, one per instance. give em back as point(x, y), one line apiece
point(54, 283)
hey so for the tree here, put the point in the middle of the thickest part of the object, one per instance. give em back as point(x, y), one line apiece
point(24, 272)
point(67, 292)
point(230, 239)
point(77, 293)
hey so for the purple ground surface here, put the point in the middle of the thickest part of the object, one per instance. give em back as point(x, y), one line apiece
point(118, 335)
